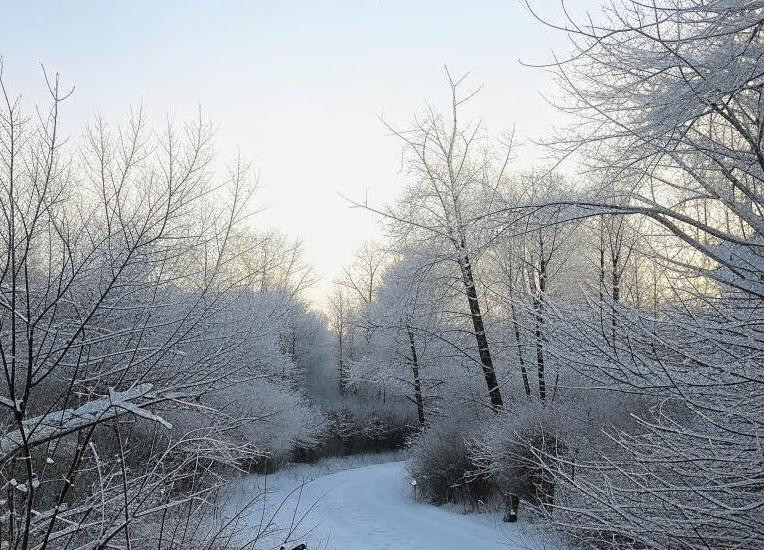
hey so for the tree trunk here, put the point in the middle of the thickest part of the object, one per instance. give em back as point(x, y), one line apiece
point(516, 327)
point(540, 347)
point(602, 268)
point(341, 364)
point(538, 307)
point(482, 341)
point(523, 370)
point(417, 382)
point(616, 295)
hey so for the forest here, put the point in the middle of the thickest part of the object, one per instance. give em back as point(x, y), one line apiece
point(577, 346)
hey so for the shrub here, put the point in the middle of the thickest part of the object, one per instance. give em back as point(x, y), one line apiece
point(357, 423)
point(269, 419)
point(522, 449)
point(443, 467)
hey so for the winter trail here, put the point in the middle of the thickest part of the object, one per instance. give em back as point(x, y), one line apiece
point(371, 508)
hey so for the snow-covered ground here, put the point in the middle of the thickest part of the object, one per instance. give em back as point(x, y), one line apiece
point(367, 507)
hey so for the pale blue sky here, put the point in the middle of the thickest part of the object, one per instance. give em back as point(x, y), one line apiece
point(296, 85)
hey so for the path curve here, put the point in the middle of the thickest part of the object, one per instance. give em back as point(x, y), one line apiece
point(370, 508)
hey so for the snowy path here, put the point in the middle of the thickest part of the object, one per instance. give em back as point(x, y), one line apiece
point(370, 508)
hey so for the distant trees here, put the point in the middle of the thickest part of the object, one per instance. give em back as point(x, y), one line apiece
point(542, 251)
point(342, 323)
point(404, 321)
point(364, 276)
point(361, 281)
point(273, 262)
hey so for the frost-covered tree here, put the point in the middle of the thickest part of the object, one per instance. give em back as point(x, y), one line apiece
point(405, 321)
point(117, 289)
point(342, 323)
point(668, 99)
point(455, 171)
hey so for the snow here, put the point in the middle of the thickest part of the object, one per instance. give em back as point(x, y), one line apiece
point(57, 424)
point(371, 507)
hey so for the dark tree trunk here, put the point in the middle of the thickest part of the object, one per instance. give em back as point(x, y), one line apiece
point(602, 266)
point(538, 307)
point(616, 295)
point(480, 336)
point(523, 370)
point(516, 328)
point(417, 382)
point(540, 348)
point(341, 365)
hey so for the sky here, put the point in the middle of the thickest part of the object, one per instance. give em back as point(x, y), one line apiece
point(297, 86)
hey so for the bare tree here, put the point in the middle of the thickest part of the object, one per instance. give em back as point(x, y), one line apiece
point(455, 181)
point(541, 238)
point(362, 279)
point(404, 318)
point(114, 274)
point(341, 322)
point(364, 275)
point(668, 97)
